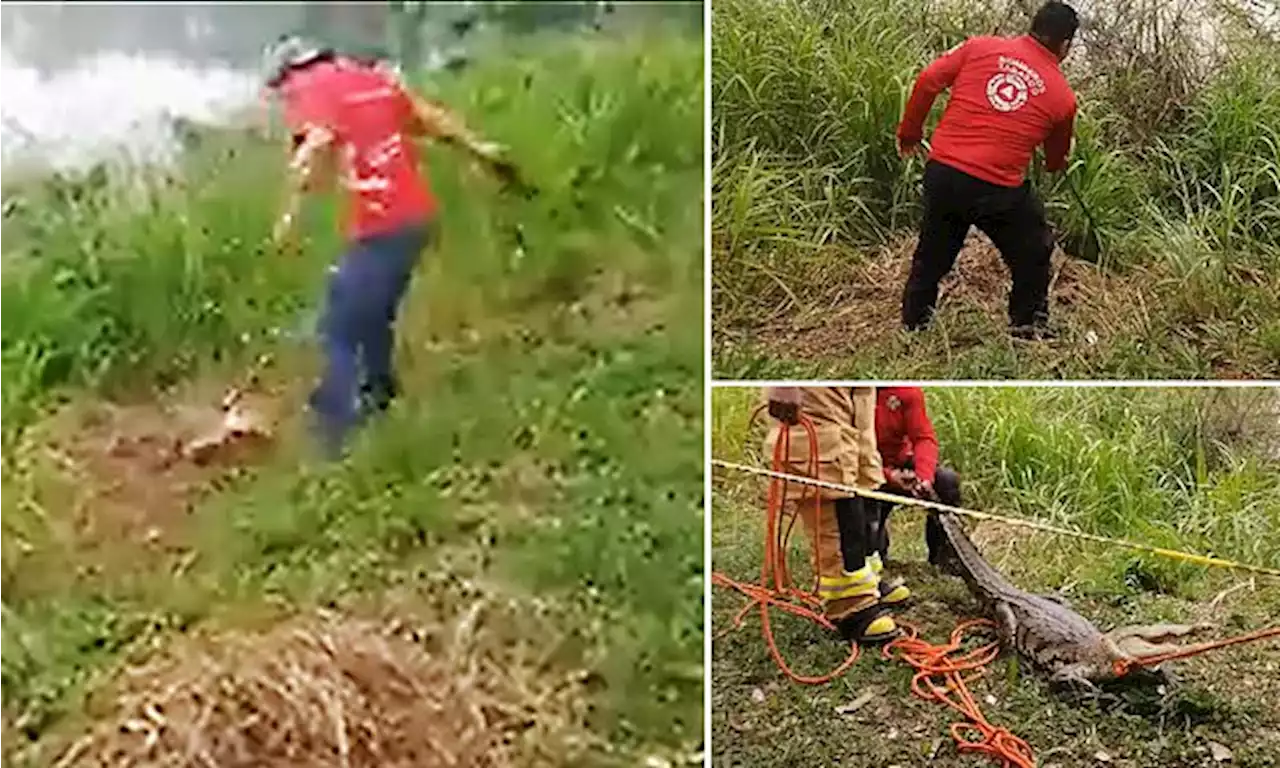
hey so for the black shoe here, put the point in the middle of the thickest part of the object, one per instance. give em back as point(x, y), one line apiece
point(1032, 333)
point(377, 399)
point(870, 626)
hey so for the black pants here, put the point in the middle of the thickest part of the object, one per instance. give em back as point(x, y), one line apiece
point(1014, 219)
point(857, 519)
point(946, 483)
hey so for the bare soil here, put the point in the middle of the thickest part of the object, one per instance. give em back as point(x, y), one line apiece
point(117, 482)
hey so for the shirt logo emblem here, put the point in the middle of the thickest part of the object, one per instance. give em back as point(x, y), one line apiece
point(1007, 91)
point(893, 402)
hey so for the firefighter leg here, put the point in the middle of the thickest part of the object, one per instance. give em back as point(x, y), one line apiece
point(847, 585)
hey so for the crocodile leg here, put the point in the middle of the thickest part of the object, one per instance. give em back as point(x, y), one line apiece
point(1006, 626)
point(1073, 679)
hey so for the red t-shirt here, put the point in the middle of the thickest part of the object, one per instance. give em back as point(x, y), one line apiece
point(1008, 96)
point(369, 115)
point(903, 430)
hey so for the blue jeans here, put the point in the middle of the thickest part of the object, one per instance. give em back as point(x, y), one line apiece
point(357, 330)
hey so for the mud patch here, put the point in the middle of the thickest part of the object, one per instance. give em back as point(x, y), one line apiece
point(115, 476)
point(331, 689)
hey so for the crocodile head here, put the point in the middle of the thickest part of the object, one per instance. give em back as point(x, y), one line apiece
point(1095, 666)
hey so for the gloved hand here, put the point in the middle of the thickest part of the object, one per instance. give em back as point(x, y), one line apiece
point(784, 404)
point(924, 490)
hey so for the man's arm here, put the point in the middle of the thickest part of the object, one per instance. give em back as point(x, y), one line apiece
point(312, 156)
point(435, 121)
point(1058, 145)
point(935, 78)
point(924, 441)
point(427, 118)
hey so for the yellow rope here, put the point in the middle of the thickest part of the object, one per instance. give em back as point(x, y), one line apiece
point(908, 500)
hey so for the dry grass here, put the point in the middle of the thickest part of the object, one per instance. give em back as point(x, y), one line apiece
point(332, 690)
point(859, 303)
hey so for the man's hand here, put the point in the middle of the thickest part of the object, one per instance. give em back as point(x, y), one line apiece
point(924, 490)
point(784, 404)
point(306, 164)
point(282, 233)
point(505, 171)
point(489, 151)
point(907, 149)
point(902, 479)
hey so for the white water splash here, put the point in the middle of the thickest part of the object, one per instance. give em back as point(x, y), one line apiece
point(111, 106)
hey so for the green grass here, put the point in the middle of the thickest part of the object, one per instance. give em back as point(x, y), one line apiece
point(1182, 468)
point(808, 189)
point(550, 437)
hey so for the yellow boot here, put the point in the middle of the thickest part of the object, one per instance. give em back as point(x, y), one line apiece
point(893, 591)
point(852, 601)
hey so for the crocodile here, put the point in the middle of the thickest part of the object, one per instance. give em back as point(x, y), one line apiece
point(1045, 630)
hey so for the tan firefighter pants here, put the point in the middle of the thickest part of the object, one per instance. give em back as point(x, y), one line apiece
point(843, 419)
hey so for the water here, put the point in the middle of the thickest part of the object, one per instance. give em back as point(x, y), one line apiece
point(112, 105)
point(84, 83)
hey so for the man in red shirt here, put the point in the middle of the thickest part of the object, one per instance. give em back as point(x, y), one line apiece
point(1008, 96)
point(354, 118)
point(909, 451)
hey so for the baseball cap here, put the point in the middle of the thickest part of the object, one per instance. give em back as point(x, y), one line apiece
point(288, 52)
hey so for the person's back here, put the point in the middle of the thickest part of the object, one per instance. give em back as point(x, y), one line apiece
point(369, 115)
point(1009, 97)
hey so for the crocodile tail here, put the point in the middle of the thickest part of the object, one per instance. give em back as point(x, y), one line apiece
point(974, 569)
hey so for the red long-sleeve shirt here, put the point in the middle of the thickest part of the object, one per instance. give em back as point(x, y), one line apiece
point(1008, 96)
point(903, 430)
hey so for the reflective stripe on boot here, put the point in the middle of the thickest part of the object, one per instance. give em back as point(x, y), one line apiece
point(849, 584)
point(891, 592)
point(861, 617)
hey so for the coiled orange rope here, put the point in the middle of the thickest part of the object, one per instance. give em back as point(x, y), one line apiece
point(940, 676)
point(776, 588)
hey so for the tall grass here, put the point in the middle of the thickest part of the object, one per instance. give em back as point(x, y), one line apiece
point(807, 96)
point(572, 350)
